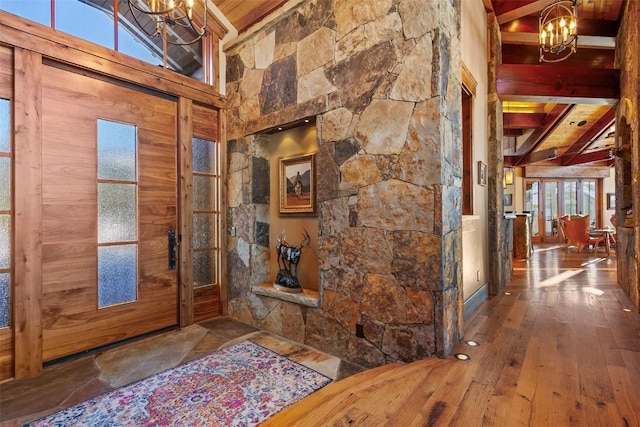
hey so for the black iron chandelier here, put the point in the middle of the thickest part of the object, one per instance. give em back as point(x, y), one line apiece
point(170, 19)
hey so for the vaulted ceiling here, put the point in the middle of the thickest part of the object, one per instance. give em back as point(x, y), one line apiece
point(555, 113)
point(558, 113)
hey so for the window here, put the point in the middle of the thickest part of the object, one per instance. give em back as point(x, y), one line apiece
point(5, 214)
point(206, 212)
point(117, 214)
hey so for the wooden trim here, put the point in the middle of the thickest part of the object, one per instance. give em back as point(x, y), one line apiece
point(68, 49)
point(28, 214)
point(185, 210)
point(222, 132)
point(468, 81)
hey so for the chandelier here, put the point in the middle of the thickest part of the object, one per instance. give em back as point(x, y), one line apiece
point(170, 19)
point(558, 25)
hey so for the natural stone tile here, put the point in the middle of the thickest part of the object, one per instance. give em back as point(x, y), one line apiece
point(324, 332)
point(93, 388)
point(359, 76)
point(396, 205)
point(383, 30)
point(313, 85)
point(286, 320)
point(247, 55)
point(262, 233)
point(328, 252)
point(235, 68)
point(367, 249)
point(260, 185)
point(417, 260)
point(251, 84)
point(373, 330)
point(234, 189)
point(279, 86)
point(347, 369)
point(335, 217)
point(249, 109)
point(384, 300)
point(237, 162)
point(363, 353)
point(335, 125)
point(328, 173)
point(345, 149)
point(383, 126)
point(342, 308)
point(260, 264)
point(243, 250)
point(409, 342)
point(344, 280)
point(144, 358)
point(350, 44)
point(228, 327)
point(315, 50)
point(414, 75)
point(351, 14)
point(264, 49)
point(419, 16)
point(359, 171)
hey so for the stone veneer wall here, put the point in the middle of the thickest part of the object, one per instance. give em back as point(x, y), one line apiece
point(628, 60)
point(383, 79)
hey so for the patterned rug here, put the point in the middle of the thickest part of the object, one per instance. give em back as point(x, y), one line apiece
point(241, 385)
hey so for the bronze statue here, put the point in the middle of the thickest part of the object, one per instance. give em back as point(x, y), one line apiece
point(288, 259)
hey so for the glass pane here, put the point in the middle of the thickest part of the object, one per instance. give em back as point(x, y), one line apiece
point(204, 193)
point(589, 201)
point(5, 124)
point(34, 10)
point(5, 187)
point(203, 266)
point(117, 274)
point(5, 240)
point(116, 151)
point(132, 46)
point(570, 197)
point(204, 231)
point(100, 29)
point(532, 203)
point(116, 212)
point(5, 300)
point(204, 156)
point(550, 207)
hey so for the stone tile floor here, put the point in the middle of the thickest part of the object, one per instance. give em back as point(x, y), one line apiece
point(66, 383)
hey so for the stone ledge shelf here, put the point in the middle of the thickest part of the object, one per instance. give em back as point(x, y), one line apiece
point(308, 297)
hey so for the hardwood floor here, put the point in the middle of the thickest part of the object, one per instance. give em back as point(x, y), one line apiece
point(556, 349)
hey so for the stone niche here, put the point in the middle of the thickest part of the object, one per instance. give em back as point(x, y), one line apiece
point(382, 79)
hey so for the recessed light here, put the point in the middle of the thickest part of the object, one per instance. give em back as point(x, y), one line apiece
point(472, 343)
point(306, 120)
point(628, 310)
point(462, 356)
point(507, 293)
point(279, 128)
point(582, 122)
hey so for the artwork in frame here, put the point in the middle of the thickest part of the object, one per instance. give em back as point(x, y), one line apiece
point(298, 185)
point(611, 201)
point(482, 173)
point(507, 199)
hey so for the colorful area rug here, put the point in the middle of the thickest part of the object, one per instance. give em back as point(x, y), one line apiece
point(241, 385)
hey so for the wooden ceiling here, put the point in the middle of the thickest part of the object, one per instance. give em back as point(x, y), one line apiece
point(561, 113)
point(558, 113)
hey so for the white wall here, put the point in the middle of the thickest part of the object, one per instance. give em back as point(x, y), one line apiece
point(474, 227)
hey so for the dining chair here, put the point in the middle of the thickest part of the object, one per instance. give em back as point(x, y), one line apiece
point(576, 231)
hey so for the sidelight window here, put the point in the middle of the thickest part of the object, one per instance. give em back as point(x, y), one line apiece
point(117, 214)
point(5, 214)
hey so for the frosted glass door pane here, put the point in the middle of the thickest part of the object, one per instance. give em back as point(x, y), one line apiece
point(116, 213)
point(5, 187)
point(116, 151)
point(5, 124)
point(203, 231)
point(5, 294)
point(202, 268)
point(5, 233)
point(117, 274)
point(204, 156)
point(204, 193)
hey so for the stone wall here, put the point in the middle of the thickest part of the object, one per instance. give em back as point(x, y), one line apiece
point(627, 133)
point(382, 77)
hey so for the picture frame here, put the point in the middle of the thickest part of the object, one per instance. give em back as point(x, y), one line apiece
point(507, 199)
point(611, 201)
point(482, 173)
point(297, 177)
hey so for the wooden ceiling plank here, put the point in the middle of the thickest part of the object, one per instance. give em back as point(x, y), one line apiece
point(522, 120)
point(586, 27)
point(584, 41)
point(603, 123)
point(577, 85)
point(551, 122)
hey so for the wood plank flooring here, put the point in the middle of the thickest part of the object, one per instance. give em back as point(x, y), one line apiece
point(556, 349)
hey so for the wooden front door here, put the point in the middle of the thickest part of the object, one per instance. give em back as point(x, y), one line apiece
point(108, 202)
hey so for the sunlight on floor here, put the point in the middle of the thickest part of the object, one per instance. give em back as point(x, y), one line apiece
point(556, 280)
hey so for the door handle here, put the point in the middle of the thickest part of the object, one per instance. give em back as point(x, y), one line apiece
point(173, 249)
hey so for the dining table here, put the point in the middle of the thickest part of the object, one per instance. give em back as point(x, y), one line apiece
point(608, 234)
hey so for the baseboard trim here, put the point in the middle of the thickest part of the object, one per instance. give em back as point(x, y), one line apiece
point(473, 302)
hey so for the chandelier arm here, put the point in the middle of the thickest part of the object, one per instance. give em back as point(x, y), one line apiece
point(154, 34)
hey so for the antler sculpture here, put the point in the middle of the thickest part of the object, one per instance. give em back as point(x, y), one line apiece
point(288, 260)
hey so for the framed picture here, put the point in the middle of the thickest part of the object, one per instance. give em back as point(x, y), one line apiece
point(611, 201)
point(482, 173)
point(298, 185)
point(507, 199)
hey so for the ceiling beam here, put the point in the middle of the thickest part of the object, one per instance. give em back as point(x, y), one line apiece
point(523, 120)
point(536, 156)
point(556, 83)
point(533, 7)
point(584, 41)
point(551, 121)
point(594, 156)
point(587, 27)
point(600, 126)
